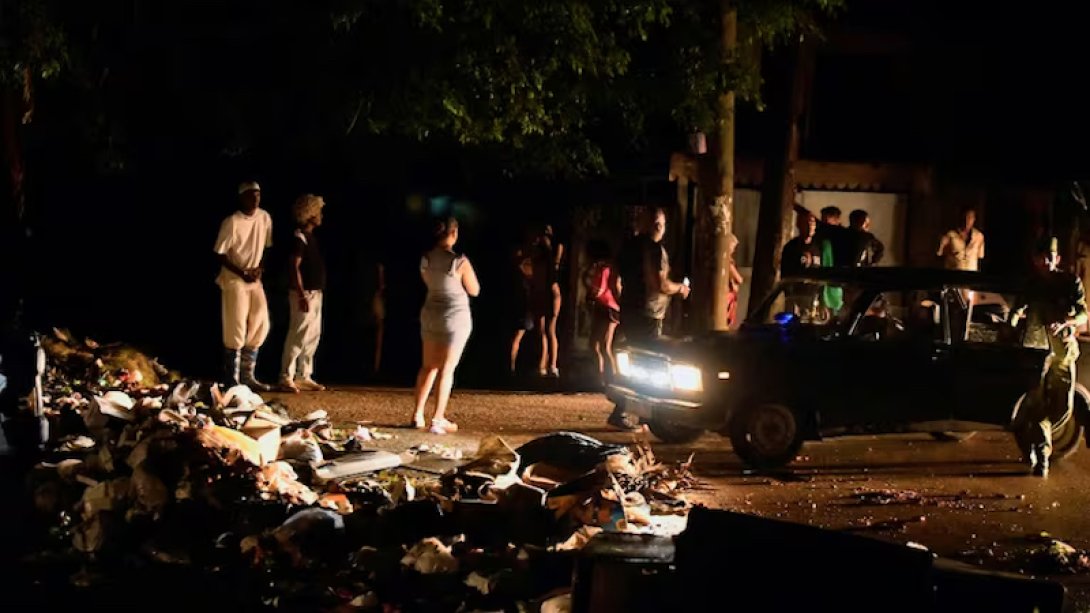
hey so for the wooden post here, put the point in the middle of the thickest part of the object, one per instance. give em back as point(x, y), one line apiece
point(723, 207)
point(776, 215)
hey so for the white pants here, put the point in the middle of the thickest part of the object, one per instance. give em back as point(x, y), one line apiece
point(245, 314)
point(304, 331)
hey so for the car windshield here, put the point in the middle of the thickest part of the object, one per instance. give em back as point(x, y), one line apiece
point(814, 303)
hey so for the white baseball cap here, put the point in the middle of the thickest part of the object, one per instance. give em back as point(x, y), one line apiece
point(248, 186)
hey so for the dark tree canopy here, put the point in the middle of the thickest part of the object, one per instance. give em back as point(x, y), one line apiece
point(540, 87)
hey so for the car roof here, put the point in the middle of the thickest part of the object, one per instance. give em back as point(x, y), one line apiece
point(897, 277)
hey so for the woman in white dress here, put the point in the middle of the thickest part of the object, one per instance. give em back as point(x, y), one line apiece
point(445, 322)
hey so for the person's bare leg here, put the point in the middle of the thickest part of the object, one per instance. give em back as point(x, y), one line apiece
point(378, 344)
point(515, 344)
point(554, 342)
point(424, 381)
point(543, 364)
point(451, 357)
point(597, 346)
point(429, 369)
point(611, 329)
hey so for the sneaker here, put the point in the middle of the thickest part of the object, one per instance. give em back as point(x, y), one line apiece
point(443, 426)
point(554, 373)
point(309, 385)
point(287, 385)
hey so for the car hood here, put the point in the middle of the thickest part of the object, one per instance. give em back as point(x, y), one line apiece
point(714, 345)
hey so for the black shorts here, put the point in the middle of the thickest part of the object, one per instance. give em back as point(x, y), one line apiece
point(523, 322)
point(600, 318)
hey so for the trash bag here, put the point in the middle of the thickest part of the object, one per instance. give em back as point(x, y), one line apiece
point(567, 450)
point(312, 535)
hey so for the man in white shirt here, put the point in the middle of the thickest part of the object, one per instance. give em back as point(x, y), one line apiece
point(241, 244)
point(962, 248)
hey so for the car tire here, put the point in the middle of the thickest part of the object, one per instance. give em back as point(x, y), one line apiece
point(1067, 433)
point(669, 432)
point(1066, 438)
point(952, 437)
point(766, 435)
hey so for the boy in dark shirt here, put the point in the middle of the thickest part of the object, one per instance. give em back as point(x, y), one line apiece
point(803, 251)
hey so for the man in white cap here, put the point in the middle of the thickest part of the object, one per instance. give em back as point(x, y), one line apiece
point(241, 244)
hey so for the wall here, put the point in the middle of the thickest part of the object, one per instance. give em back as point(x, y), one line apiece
point(888, 213)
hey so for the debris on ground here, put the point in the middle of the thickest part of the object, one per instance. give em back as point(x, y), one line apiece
point(896, 524)
point(964, 500)
point(1038, 554)
point(445, 452)
point(139, 473)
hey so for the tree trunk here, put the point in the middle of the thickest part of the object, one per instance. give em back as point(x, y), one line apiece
point(778, 192)
point(723, 207)
point(13, 154)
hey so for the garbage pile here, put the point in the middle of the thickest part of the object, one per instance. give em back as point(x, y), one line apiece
point(79, 363)
point(298, 513)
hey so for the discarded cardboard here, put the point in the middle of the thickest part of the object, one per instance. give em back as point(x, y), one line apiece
point(369, 461)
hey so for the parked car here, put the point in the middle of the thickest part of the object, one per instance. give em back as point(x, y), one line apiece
point(850, 351)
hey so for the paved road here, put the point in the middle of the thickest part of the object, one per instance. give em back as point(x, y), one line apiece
point(952, 497)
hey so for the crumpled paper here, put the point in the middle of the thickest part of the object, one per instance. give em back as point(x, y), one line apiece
point(431, 556)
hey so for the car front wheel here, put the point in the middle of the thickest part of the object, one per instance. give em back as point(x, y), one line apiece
point(766, 435)
point(669, 432)
point(1066, 433)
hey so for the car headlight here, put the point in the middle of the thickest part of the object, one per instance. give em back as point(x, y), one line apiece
point(624, 365)
point(686, 377)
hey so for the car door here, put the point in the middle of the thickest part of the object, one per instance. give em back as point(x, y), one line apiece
point(808, 371)
point(993, 362)
point(893, 367)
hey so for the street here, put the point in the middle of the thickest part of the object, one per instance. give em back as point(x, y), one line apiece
point(971, 500)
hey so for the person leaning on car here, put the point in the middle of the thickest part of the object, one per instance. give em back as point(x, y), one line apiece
point(1056, 308)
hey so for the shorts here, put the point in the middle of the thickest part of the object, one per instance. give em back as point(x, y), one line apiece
point(524, 322)
point(601, 317)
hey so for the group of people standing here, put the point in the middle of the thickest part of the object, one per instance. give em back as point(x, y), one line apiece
point(538, 297)
point(824, 242)
point(241, 246)
point(827, 243)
